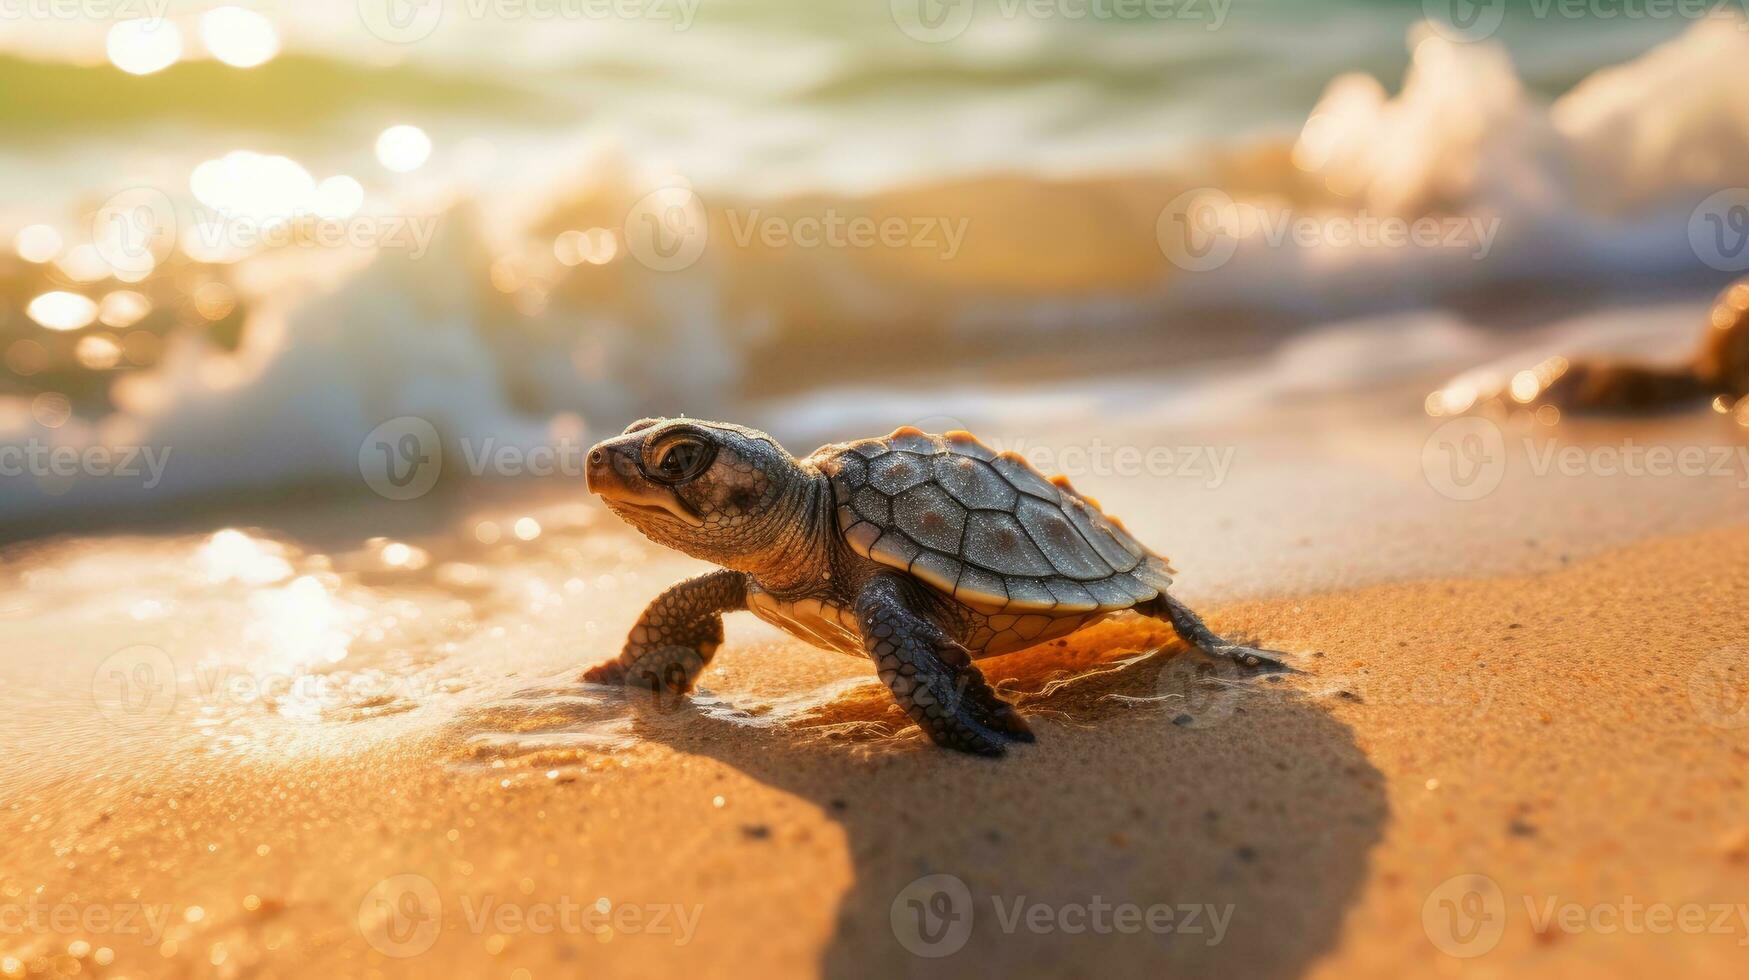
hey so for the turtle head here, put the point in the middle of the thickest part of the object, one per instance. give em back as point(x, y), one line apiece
point(720, 492)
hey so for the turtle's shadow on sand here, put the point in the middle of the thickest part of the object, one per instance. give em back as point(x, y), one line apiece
point(1254, 806)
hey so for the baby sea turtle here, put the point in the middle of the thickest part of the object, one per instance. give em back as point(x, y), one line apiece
point(922, 552)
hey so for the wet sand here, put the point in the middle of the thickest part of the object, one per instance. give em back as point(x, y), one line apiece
point(1558, 708)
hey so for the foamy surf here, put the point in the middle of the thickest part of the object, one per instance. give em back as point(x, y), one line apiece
point(544, 357)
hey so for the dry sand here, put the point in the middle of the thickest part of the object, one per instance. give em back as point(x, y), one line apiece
point(1576, 732)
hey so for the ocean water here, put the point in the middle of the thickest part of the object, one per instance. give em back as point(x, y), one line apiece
point(1054, 155)
point(763, 96)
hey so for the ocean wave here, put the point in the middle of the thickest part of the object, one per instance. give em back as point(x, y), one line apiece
point(1562, 202)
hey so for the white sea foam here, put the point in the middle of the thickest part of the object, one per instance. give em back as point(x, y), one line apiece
point(1596, 188)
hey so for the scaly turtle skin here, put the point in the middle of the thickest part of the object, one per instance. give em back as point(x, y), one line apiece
point(921, 552)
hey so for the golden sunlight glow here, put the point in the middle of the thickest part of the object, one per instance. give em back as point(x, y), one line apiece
point(232, 556)
point(239, 38)
point(83, 263)
point(262, 187)
point(1457, 398)
point(37, 243)
point(338, 197)
point(1525, 386)
point(403, 148)
point(123, 308)
point(141, 47)
point(597, 246)
point(98, 352)
point(214, 300)
point(62, 310)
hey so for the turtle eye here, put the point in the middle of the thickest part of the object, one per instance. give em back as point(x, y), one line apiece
point(681, 459)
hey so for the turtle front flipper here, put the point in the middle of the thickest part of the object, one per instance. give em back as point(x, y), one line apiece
point(931, 675)
point(676, 636)
point(1192, 630)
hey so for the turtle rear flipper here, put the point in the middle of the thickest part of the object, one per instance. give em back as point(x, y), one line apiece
point(1195, 632)
point(931, 675)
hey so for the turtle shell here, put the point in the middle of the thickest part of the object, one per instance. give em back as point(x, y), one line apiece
point(985, 527)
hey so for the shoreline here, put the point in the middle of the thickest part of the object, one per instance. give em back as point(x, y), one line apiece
point(1449, 726)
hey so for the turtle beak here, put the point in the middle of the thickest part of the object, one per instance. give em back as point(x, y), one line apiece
point(613, 475)
point(611, 466)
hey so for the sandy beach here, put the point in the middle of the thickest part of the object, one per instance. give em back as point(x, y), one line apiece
point(301, 696)
point(1560, 712)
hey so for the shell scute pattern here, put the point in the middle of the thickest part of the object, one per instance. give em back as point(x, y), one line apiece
point(986, 528)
